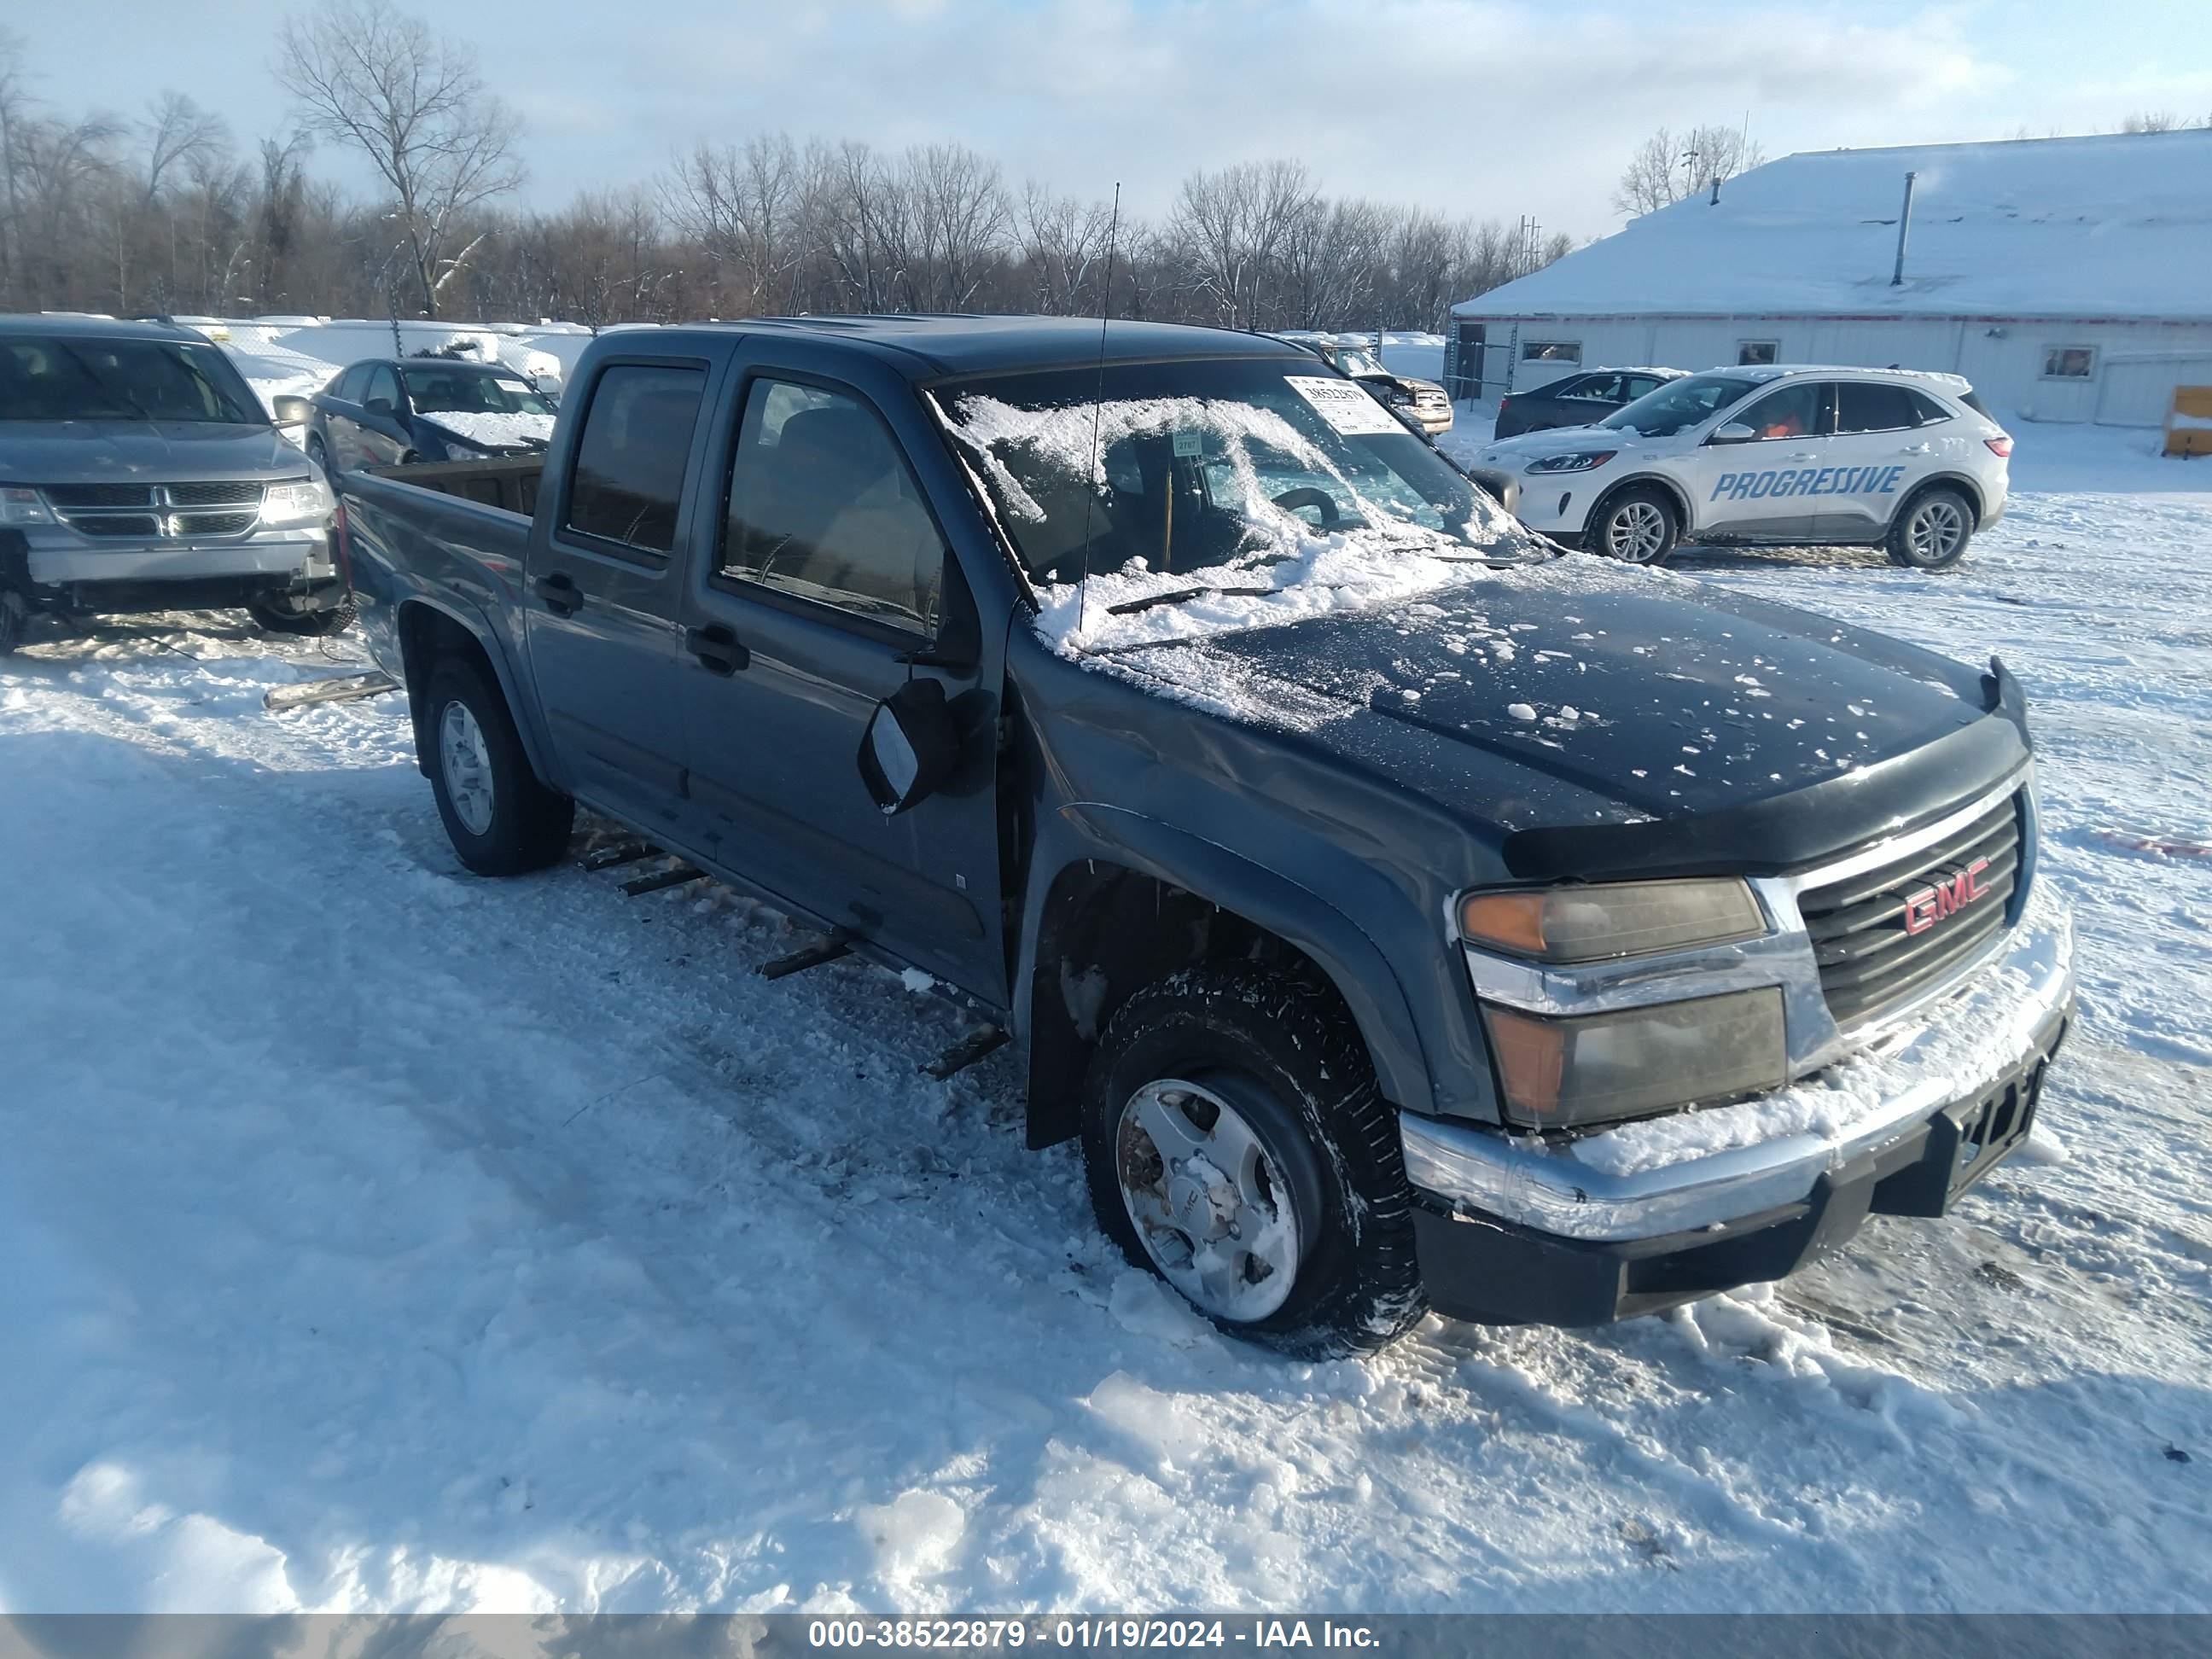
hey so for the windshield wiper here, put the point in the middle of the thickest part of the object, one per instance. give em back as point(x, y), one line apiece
point(1130, 607)
point(119, 393)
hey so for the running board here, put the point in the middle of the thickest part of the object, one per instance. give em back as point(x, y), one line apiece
point(984, 1040)
point(627, 851)
point(828, 948)
point(637, 886)
point(339, 688)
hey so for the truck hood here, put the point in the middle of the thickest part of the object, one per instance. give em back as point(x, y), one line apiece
point(1611, 703)
point(142, 452)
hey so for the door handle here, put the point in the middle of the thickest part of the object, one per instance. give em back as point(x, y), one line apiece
point(1802, 455)
point(717, 648)
point(562, 595)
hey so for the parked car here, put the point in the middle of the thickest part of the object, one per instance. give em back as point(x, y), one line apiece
point(139, 472)
point(1576, 399)
point(1777, 456)
point(1423, 403)
point(387, 410)
point(1389, 913)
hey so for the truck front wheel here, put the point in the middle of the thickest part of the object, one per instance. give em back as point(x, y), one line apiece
point(1237, 1146)
point(501, 819)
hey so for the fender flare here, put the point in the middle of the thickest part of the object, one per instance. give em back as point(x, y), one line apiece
point(1672, 488)
point(1342, 949)
point(494, 654)
point(1976, 497)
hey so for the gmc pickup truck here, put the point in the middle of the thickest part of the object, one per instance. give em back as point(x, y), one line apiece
point(1400, 915)
point(139, 472)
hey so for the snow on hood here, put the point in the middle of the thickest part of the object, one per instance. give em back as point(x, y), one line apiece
point(491, 430)
point(1303, 576)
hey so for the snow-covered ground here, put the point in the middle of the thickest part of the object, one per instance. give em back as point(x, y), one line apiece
point(376, 1237)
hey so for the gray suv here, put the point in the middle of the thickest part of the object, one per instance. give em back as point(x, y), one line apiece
point(138, 471)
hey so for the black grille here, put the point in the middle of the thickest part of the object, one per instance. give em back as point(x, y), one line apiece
point(143, 526)
point(215, 524)
point(214, 495)
point(1870, 959)
point(100, 494)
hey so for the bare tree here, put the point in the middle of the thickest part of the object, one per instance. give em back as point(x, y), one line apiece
point(1669, 165)
point(1230, 226)
point(382, 82)
point(1061, 244)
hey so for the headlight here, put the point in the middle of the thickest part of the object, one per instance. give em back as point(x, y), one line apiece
point(296, 501)
point(19, 507)
point(1582, 462)
point(1605, 920)
point(1598, 1068)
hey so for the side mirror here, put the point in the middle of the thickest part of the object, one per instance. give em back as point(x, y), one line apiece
point(911, 747)
point(290, 410)
point(379, 406)
point(1735, 432)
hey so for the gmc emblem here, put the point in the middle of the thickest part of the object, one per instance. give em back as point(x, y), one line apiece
point(1931, 904)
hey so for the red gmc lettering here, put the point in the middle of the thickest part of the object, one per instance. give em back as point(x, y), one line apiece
point(1931, 904)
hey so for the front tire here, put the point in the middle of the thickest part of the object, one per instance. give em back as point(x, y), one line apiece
point(501, 819)
point(1237, 1146)
point(1932, 532)
point(1636, 527)
point(14, 619)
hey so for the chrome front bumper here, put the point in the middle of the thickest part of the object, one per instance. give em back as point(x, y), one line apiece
point(1707, 1168)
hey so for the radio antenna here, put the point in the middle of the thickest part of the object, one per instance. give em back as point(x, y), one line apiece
point(1097, 396)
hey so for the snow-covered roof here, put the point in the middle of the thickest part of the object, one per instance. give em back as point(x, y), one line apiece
point(2116, 227)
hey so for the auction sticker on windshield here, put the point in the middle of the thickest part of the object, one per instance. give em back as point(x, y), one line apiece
point(1344, 405)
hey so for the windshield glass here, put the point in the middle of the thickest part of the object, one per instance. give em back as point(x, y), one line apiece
point(448, 389)
point(1219, 478)
point(59, 378)
point(1679, 405)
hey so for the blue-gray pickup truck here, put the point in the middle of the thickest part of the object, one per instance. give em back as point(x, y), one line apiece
point(1401, 916)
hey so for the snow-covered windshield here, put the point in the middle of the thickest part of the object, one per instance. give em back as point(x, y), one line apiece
point(1679, 405)
point(450, 389)
point(1219, 479)
point(1349, 361)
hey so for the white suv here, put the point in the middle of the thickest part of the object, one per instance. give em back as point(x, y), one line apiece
point(1773, 456)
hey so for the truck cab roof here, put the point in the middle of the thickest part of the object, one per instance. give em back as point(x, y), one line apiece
point(931, 346)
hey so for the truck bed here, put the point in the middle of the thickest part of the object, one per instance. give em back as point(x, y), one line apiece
point(510, 483)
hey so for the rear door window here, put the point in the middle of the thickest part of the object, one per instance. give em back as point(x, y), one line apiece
point(1596, 388)
point(632, 452)
point(823, 507)
point(1864, 406)
point(1927, 408)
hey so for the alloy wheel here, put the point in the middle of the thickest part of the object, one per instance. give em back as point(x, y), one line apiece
point(1210, 1200)
point(466, 759)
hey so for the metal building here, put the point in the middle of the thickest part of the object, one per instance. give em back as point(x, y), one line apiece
point(2070, 279)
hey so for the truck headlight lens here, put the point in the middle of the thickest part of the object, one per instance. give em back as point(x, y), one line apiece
point(1584, 462)
point(1598, 1068)
point(1604, 920)
point(23, 506)
point(296, 501)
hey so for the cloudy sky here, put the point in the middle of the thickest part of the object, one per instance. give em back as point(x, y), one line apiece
point(1490, 107)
